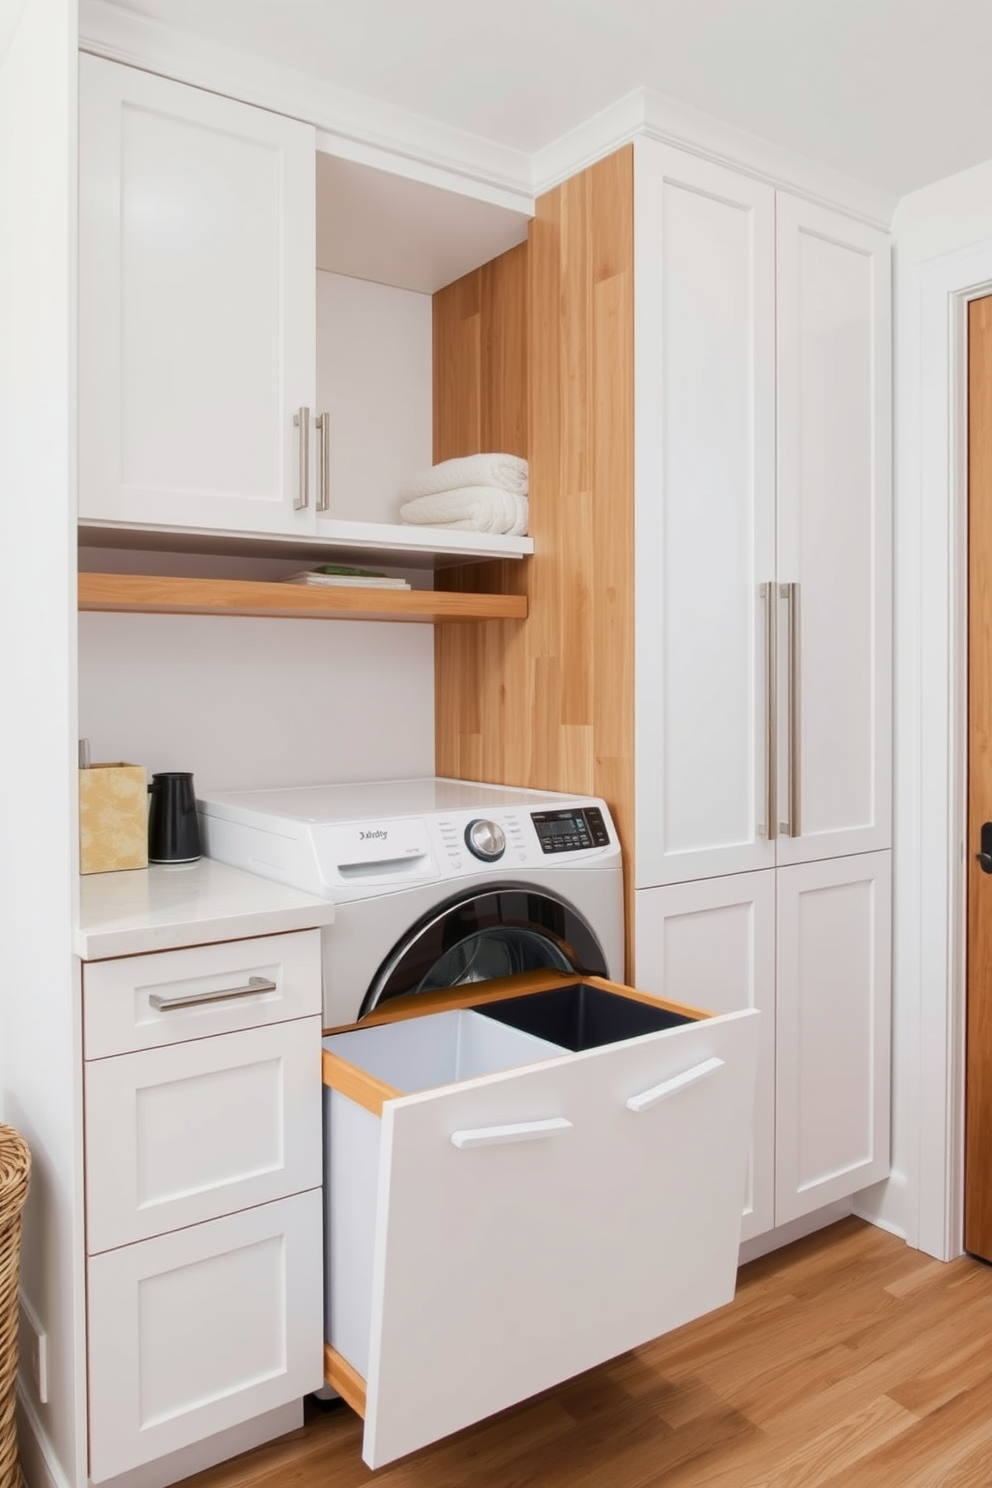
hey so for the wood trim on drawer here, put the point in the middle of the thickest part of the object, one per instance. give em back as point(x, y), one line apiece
point(622, 990)
point(341, 1376)
point(417, 1004)
point(347, 1079)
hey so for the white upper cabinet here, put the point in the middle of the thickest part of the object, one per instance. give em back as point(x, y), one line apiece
point(763, 526)
point(834, 534)
point(704, 259)
point(197, 306)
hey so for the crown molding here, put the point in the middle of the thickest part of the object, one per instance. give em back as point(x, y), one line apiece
point(353, 125)
point(378, 134)
point(650, 115)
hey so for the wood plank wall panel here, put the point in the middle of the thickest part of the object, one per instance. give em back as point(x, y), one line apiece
point(548, 702)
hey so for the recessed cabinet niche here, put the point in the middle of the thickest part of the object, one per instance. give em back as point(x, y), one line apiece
point(253, 360)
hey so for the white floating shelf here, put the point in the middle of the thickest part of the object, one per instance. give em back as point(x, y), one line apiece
point(371, 543)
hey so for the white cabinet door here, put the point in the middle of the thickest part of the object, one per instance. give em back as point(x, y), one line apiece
point(197, 305)
point(834, 967)
point(711, 944)
point(202, 1329)
point(589, 1204)
point(704, 257)
point(834, 534)
point(182, 1134)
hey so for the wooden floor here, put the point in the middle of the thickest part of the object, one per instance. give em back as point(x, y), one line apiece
point(846, 1361)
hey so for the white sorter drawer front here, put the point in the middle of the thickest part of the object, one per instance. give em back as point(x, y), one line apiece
point(534, 1223)
point(194, 1332)
point(179, 1135)
point(136, 1002)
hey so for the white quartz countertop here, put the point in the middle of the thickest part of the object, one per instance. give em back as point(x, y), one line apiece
point(160, 908)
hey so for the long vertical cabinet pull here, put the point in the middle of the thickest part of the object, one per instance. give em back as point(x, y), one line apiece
point(767, 828)
point(323, 423)
point(793, 827)
point(301, 421)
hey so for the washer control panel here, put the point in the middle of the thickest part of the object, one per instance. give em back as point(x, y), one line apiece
point(570, 829)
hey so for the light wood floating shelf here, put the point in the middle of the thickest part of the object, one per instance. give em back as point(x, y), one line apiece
point(154, 595)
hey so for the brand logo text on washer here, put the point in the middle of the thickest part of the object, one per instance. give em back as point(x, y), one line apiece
point(370, 836)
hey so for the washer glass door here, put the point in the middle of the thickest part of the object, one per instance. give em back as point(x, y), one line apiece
point(478, 937)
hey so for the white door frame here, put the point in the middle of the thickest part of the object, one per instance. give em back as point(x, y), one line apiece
point(931, 734)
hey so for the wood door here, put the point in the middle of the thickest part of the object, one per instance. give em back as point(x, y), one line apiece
point(704, 427)
point(832, 1038)
point(711, 944)
point(978, 1098)
point(600, 1208)
point(197, 324)
point(834, 535)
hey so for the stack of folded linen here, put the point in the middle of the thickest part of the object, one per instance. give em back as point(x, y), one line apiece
point(478, 493)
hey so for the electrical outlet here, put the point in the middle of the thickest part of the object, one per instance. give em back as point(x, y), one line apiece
point(32, 1345)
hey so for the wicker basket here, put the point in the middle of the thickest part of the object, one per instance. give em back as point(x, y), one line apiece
point(15, 1166)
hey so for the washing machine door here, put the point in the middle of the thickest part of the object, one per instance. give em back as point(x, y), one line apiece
point(479, 936)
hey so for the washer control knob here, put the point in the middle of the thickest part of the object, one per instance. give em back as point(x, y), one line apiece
point(485, 839)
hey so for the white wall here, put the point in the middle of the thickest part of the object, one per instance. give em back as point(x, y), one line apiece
point(39, 1000)
point(252, 702)
point(943, 251)
point(374, 377)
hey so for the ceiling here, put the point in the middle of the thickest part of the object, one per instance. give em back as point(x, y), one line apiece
point(896, 93)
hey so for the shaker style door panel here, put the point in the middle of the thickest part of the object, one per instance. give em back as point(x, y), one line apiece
point(834, 535)
point(197, 1331)
point(834, 970)
point(711, 944)
point(705, 515)
point(197, 305)
point(183, 1134)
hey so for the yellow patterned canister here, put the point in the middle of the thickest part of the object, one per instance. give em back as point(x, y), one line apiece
point(113, 818)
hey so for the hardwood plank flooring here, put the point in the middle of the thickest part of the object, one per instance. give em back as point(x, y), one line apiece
point(846, 1360)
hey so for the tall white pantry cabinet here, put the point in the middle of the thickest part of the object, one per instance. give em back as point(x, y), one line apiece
point(763, 656)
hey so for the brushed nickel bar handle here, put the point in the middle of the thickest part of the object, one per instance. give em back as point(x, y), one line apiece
point(301, 421)
point(767, 828)
point(323, 422)
point(255, 985)
point(793, 827)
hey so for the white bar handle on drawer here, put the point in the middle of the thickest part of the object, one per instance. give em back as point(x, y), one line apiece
point(521, 1131)
point(196, 999)
point(649, 1098)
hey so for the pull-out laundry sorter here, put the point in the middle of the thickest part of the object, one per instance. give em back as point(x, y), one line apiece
point(522, 1180)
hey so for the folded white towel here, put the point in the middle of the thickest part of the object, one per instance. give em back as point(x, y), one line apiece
point(472, 508)
point(508, 472)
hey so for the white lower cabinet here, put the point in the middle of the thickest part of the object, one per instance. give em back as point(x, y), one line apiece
point(833, 1034)
point(518, 1196)
point(809, 945)
point(202, 1095)
point(201, 1329)
point(712, 943)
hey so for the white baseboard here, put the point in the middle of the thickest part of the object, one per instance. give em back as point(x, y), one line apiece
point(42, 1470)
point(39, 1464)
point(884, 1204)
point(797, 1230)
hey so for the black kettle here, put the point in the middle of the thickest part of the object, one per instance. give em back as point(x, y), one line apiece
point(173, 829)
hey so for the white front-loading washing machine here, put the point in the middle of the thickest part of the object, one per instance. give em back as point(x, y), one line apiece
point(435, 882)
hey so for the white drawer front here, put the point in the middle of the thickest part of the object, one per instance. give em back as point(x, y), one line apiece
point(179, 1135)
point(140, 1002)
point(534, 1223)
point(198, 1331)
